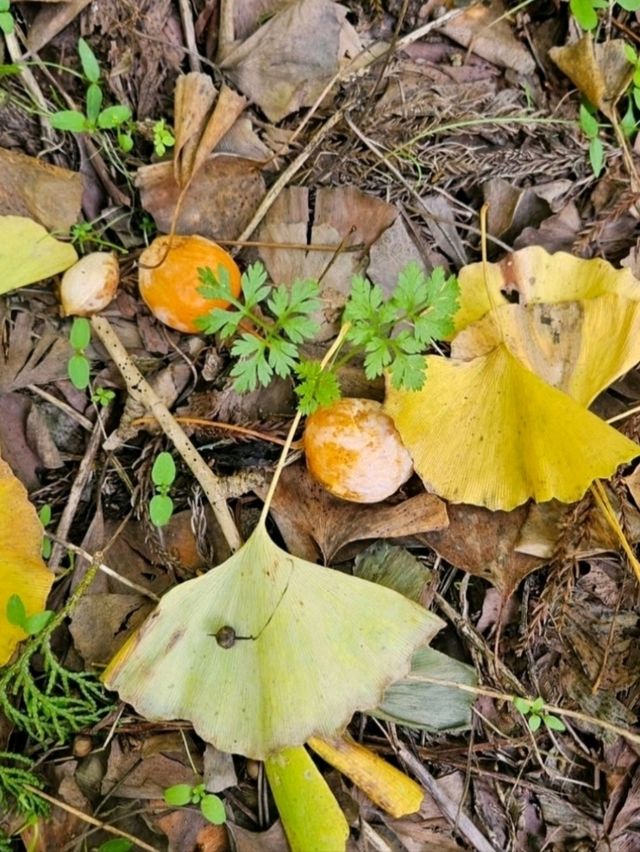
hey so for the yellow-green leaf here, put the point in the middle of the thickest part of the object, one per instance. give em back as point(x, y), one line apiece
point(29, 254)
point(491, 433)
point(22, 571)
point(311, 817)
point(267, 650)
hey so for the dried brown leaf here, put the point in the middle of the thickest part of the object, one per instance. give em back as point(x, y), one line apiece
point(32, 188)
point(286, 63)
point(601, 71)
point(218, 205)
point(199, 125)
point(314, 523)
point(485, 30)
point(484, 544)
point(341, 214)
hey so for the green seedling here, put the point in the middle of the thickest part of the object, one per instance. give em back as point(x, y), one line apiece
point(31, 624)
point(163, 474)
point(631, 120)
point(391, 334)
point(211, 806)
point(591, 128)
point(535, 714)
point(103, 396)
point(118, 844)
point(586, 11)
point(86, 237)
point(7, 24)
point(79, 367)
point(45, 519)
point(94, 117)
point(163, 138)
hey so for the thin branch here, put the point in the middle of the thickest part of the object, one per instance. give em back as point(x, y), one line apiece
point(141, 391)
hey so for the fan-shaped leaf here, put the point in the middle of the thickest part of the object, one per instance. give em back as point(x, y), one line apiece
point(22, 571)
point(267, 650)
point(28, 253)
point(491, 433)
point(533, 275)
point(579, 347)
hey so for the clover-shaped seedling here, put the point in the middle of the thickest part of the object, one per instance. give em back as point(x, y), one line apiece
point(211, 806)
point(534, 712)
point(79, 367)
point(163, 473)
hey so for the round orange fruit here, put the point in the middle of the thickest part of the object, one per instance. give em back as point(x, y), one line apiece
point(353, 449)
point(169, 280)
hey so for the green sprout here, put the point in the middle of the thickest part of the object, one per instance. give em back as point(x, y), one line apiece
point(163, 474)
point(31, 624)
point(586, 11)
point(163, 138)
point(103, 396)
point(79, 367)
point(534, 712)
point(211, 806)
point(7, 24)
point(44, 515)
point(95, 117)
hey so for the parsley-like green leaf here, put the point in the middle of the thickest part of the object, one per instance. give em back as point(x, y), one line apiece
point(254, 286)
point(408, 372)
point(317, 387)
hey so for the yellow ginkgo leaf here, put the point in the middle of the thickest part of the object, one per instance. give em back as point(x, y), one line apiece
point(384, 784)
point(533, 275)
point(267, 650)
point(22, 571)
point(29, 254)
point(491, 433)
point(579, 347)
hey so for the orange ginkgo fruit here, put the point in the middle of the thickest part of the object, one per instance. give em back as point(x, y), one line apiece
point(169, 280)
point(22, 571)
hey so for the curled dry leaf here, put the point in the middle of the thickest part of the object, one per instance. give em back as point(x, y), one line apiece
point(231, 651)
point(22, 571)
point(533, 275)
point(288, 61)
point(201, 120)
point(37, 190)
point(229, 187)
point(601, 70)
point(315, 523)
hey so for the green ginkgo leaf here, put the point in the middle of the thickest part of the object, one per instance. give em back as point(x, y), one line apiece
point(267, 650)
point(29, 254)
